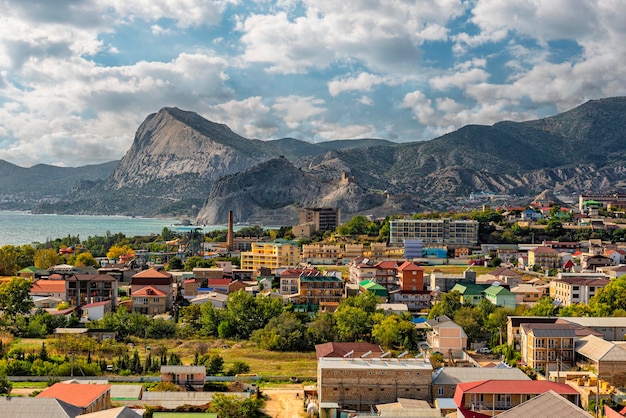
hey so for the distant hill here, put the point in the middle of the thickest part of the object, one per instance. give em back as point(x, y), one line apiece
point(22, 188)
point(180, 163)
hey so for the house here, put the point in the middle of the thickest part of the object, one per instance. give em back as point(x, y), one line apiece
point(386, 272)
point(410, 276)
point(90, 398)
point(502, 275)
point(546, 405)
point(362, 271)
point(348, 349)
point(593, 262)
point(218, 300)
point(470, 293)
point(43, 288)
point(96, 310)
point(544, 257)
point(32, 408)
point(446, 378)
point(500, 296)
point(289, 281)
point(415, 300)
point(189, 377)
point(152, 284)
point(529, 294)
point(83, 289)
point(610, 328)
point(445, 335)
point(514, 327)
point(547, 347)
point(271, 255)
point(571, 288)
point(149, 301)
point(607, 358)
point(47, 302)
point(444, 282)
point(218, 284)
point(361, 383)
point(315, 288)
point(492, 397)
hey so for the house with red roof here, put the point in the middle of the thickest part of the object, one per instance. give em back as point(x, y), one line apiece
point(89, 397)
point(96, 310)
point(491, 397)
point(149, 301)
point(151, 283)
point(386, 274)
point(44, 288)
point(410, 276)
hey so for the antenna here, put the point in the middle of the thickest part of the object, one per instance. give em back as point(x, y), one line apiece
point(404, 353)
point(366, 354)
point(348, 354)
point(386, 354)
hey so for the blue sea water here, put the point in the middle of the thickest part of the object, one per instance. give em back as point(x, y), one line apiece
point(17, 228)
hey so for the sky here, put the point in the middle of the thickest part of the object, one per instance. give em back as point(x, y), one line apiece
point(77, 77)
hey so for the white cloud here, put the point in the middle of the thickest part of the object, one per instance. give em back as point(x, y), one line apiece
point(460, 79)
point(420, 105)
point(296, 109)
point(363, 82)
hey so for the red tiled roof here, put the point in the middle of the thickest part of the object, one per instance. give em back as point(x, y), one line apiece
point(408, 266)
point(48, 286)
point(93, 305)
point(151, 277)
point(339, 349)
point(152, 273)
point(76, 394)
point(513, 387)
point(218, 282)
point(387, 265)
point(149, 291)
point(189, 281)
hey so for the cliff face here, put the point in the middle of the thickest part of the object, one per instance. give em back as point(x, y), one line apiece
point(180, 162)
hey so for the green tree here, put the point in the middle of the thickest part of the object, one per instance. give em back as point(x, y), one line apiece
point(175, 263)
point(8, 260)
point(322, 328)
point(357, 225)
point(5, 385)
point(450, 302)
point(86, 259)
point(45, 258)
point(230, 406)
point(544, 307)
point(554, 228)
point(352, 324)
point(393, 331)
point(15, 299)
point(609, 298)
point(285, 332)
point(470, 319)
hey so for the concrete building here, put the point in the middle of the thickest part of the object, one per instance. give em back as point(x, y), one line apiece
point(545, 257)
point(606, 358)
point(548, 347)
point(444, 282)
point(444, 335)
point(434, 231)
point(446, 378)
point(323, 219)
point(83, 289)
point(271, 255)
point(360, 383)
point(570, 288)
point(151, 284)
point(188, 377)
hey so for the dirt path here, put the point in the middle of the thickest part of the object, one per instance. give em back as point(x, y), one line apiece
point(282, 403)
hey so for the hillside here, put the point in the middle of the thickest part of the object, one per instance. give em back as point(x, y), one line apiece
point(179, 163)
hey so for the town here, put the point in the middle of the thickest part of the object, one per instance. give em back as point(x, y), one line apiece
point(509, 311)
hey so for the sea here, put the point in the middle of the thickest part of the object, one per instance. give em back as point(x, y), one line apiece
point(17, 228)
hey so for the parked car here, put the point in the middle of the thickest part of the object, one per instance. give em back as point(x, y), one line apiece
point(484, 350)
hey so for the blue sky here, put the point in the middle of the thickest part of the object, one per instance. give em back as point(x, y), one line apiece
point(77, 77)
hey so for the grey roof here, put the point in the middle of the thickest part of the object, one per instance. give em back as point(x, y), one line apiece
point(14, 407)
point(547, 405)
point(600, 350)
point(171, 400)
point(605, 321)
point(455, 375)
point(126, 392)
point(183, 369)
point(123, 412)
point(550, 330)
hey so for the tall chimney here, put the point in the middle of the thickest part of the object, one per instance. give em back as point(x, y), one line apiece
point(229, 234)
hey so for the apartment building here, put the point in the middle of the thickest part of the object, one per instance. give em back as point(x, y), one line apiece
point(570, 288)
point(323, 219)
point(314, 288)
point(271, 255)
point(434, 231)
point(548, 347)
point(83, 289)
point(545, 257)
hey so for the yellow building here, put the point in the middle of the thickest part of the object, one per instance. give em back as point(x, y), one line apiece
point(545, 257)
point(271, 255)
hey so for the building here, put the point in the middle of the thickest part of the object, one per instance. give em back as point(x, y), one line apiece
point(446, 378)
point(491, 397)
point(470, 293)
point(90, 398)
point(340, 349)
point(315, 289)
point(83, 289)
point(44, 288)
point(514, 327)
point(546, 405)
point(386, 274)
point(360, 383)
point(151, 290)
point(548, 347)
point(19, 407)
point(410, 276)
point(544, 257)
point(271, 255)
point(501, 296)
point(529, 294)
point(570, 288)
point(502, 275)
point(610, 328)
point(323, 219)
point(434, 231)
point(444, 335)
point(191, 378)
point(444, 282)
point(606, 358)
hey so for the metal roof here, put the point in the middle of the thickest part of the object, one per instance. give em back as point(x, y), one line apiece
point(455, 375)
point(547, 405)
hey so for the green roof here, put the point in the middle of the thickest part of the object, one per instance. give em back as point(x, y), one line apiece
point(470, 288)
point(374, 287)
point(498, 290)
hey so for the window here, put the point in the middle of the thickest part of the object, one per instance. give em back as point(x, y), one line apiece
point(440, 391)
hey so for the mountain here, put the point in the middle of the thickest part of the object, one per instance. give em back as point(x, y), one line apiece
point(180, 162)
point(21, 188)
